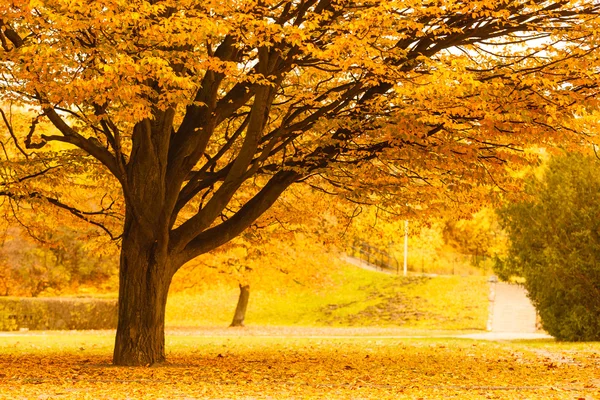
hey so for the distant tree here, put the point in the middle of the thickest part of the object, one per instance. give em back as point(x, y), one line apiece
point(554, 243)
point(241, 307)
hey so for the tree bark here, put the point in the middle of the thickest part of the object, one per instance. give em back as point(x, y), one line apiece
point(144, 279)
point(242, 305)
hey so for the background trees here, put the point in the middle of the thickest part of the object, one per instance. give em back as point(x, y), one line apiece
point(48, 246)
point(479, 236)
point(60, 260)
point(555, 245)
point(204, 113)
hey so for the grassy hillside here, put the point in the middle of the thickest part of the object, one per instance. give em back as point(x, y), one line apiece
point(352, 297)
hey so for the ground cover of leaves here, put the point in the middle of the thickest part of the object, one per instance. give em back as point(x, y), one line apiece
point(257, 364)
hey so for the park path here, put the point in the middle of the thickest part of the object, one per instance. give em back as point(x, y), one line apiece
point(357, 262)
point(511, 314)
point(510, 309)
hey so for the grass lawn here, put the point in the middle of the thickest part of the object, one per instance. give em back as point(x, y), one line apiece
point(246, 363)
point(354, 297)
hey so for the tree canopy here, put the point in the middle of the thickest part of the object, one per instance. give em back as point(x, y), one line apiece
point(204, 112)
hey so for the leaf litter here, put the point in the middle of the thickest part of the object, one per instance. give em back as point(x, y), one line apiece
point(265, 367)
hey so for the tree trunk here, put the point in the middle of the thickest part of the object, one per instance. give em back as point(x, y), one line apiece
point(242, 305)
point(144, 279)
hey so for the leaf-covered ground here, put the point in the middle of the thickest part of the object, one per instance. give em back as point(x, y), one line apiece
point(236, 365)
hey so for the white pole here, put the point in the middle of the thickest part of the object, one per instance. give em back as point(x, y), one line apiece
point(405, 247)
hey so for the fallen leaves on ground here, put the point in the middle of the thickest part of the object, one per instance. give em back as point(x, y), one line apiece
point(35, 367)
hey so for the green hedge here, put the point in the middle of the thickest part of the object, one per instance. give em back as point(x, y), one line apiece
point(57, 313)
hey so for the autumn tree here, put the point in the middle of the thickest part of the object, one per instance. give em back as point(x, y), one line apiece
point(204, 112)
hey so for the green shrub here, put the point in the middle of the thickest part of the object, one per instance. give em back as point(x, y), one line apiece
point(57, 313)
point(555, 245)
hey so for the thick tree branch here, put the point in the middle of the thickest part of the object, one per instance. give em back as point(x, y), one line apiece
point(236, 174)
point(69, 135)
point(232, 227)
